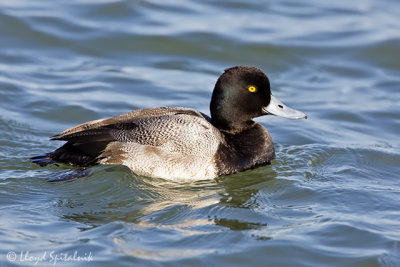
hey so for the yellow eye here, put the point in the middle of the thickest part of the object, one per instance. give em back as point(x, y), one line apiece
point(252, 89)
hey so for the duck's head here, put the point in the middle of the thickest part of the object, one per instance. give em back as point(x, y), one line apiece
point(243, 93)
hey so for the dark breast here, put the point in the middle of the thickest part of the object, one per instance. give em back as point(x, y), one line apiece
point(247, 149)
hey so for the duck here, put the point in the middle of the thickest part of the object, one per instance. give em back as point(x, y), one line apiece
point(178, 143)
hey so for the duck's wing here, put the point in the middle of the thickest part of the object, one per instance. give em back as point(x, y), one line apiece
point(101, 128)
point(171, 127)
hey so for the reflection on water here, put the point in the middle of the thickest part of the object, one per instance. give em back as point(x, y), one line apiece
point(131, 198)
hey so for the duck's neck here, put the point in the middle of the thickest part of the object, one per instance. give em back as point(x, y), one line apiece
point(231, 127)
point(245, 149)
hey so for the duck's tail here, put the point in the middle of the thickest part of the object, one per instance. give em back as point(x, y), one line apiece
point(46, 159)
point(43, 160)
point(69, 154)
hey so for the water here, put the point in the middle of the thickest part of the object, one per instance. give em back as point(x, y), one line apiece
point(330, 198)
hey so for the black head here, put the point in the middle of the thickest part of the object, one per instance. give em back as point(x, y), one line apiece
point(239, 96)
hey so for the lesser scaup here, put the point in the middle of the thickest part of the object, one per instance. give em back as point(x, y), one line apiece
point(182, 143)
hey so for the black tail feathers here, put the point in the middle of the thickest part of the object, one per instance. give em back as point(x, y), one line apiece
point(43, 160)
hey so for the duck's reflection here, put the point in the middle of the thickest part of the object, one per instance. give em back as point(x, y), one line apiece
point(227, 201)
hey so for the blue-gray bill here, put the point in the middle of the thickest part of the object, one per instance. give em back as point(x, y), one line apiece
point(277, 108)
